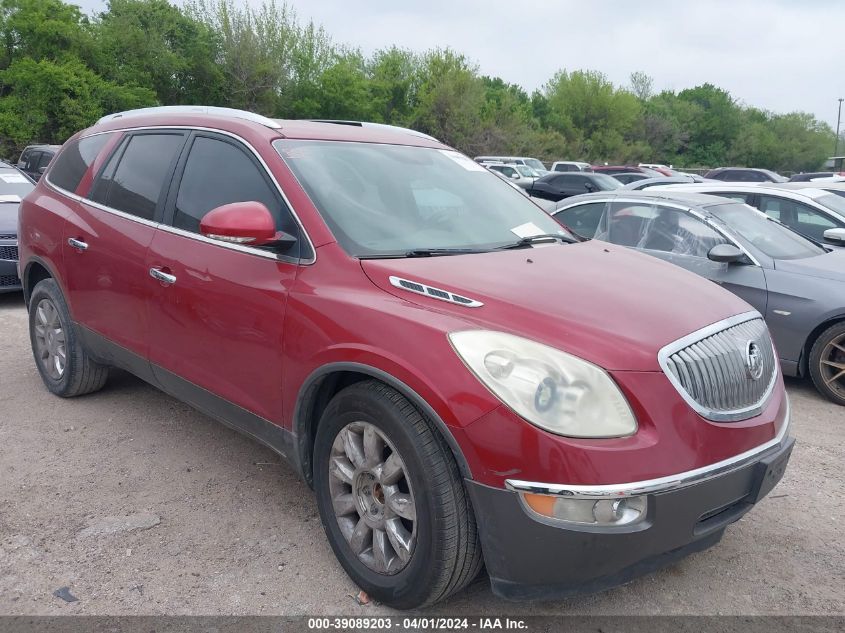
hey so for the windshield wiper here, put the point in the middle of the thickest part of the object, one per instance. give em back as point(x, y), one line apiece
point(538, 239)
point(436, 252)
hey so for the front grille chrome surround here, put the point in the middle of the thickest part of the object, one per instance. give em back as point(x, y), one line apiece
point(710, 371)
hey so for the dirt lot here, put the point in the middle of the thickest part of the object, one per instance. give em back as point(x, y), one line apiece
point(224, 528)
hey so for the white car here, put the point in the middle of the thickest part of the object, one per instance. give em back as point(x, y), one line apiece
point(533, 163)
point(809, 211)
point(571, 165)
point(521, 175)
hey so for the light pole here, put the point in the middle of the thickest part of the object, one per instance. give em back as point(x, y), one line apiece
point(838, 119)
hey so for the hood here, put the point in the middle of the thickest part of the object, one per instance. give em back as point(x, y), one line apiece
point(829, 266)
point(603, 303)
point(9, 218)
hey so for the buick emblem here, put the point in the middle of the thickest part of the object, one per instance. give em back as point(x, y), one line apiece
point(753, 360)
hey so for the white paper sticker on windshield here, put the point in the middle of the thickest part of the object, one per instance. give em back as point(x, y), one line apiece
point(529, 229)
point(14, 179)
point(10, 198)
point(463, 161)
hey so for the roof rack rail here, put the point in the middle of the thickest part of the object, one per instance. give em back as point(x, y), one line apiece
point(194, 109)
point(384, 126)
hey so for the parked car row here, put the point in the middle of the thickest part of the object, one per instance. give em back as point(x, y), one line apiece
point(461, 379)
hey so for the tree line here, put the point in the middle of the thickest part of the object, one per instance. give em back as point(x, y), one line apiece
point(60, 70)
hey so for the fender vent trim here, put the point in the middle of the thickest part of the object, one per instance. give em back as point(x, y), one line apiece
point(435, 293)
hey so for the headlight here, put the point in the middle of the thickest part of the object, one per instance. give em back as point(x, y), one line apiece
point(552, 389)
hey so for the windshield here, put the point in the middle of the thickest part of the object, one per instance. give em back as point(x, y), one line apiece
point(767, 235)
point(14, 184)
point(605, 182)
point(832, 202)
point(526, 171)
point(388, 200)
point(535, 164)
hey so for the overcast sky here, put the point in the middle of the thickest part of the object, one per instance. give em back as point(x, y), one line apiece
point(780, 55)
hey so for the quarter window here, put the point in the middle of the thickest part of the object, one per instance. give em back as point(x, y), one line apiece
point(135, 184)
point(219, 172)
point(75, 159)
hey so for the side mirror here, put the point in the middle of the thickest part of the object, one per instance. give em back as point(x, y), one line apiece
point(41, 170)
point(590, 187)
point(725, 253)
point(247, 223)
point(835, 236)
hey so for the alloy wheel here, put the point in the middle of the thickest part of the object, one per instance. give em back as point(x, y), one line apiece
point(832, 365)
point(372, 498)
point(50, 339)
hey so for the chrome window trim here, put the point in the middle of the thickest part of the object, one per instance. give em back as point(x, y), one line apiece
point(694, 337)
point(190, 234)
point(660, 484)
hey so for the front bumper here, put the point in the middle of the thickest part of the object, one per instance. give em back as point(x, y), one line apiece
point(529, 557)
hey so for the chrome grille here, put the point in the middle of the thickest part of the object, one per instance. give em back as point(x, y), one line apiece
point(712, 370)
point(9, 252)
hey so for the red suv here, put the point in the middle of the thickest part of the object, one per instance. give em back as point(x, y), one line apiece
point(459, 379)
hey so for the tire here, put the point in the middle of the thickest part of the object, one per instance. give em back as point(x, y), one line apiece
point(366, 419)
point(62, 361)
point(827, 363)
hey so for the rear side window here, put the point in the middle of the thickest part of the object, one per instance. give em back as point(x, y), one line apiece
point(218, 172)
point(133, 181)
point(75, 159)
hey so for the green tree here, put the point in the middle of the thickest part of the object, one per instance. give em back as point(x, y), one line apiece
point(714, 128)
point(394, 78)
point(49, 101)
point(591, 113)
point(42, 29)
point(153, 43)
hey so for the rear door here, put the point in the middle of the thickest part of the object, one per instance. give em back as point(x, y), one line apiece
point(106, 243)
point(216, 330)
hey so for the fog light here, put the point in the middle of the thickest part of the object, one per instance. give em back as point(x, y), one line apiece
point(598, 512)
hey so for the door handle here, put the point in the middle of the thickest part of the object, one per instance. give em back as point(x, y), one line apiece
point(77, 244)
point(163, 277)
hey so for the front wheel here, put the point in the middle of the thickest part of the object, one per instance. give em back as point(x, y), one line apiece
point(391, 499)
point(827, 363)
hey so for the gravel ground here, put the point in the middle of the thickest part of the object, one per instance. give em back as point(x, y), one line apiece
point(222, 527)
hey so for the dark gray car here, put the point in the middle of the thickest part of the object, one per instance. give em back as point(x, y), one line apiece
point(797, 284)
point(13, 187)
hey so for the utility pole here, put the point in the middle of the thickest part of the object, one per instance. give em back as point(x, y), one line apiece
point(838, 120)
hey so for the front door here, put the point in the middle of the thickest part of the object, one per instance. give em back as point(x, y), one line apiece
point(217, 325)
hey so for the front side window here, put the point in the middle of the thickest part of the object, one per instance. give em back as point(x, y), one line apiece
point(219, 172)
point(657, 228)
point(388, 200)
point(772, 239)
point(75, 159)
point(798, 216)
